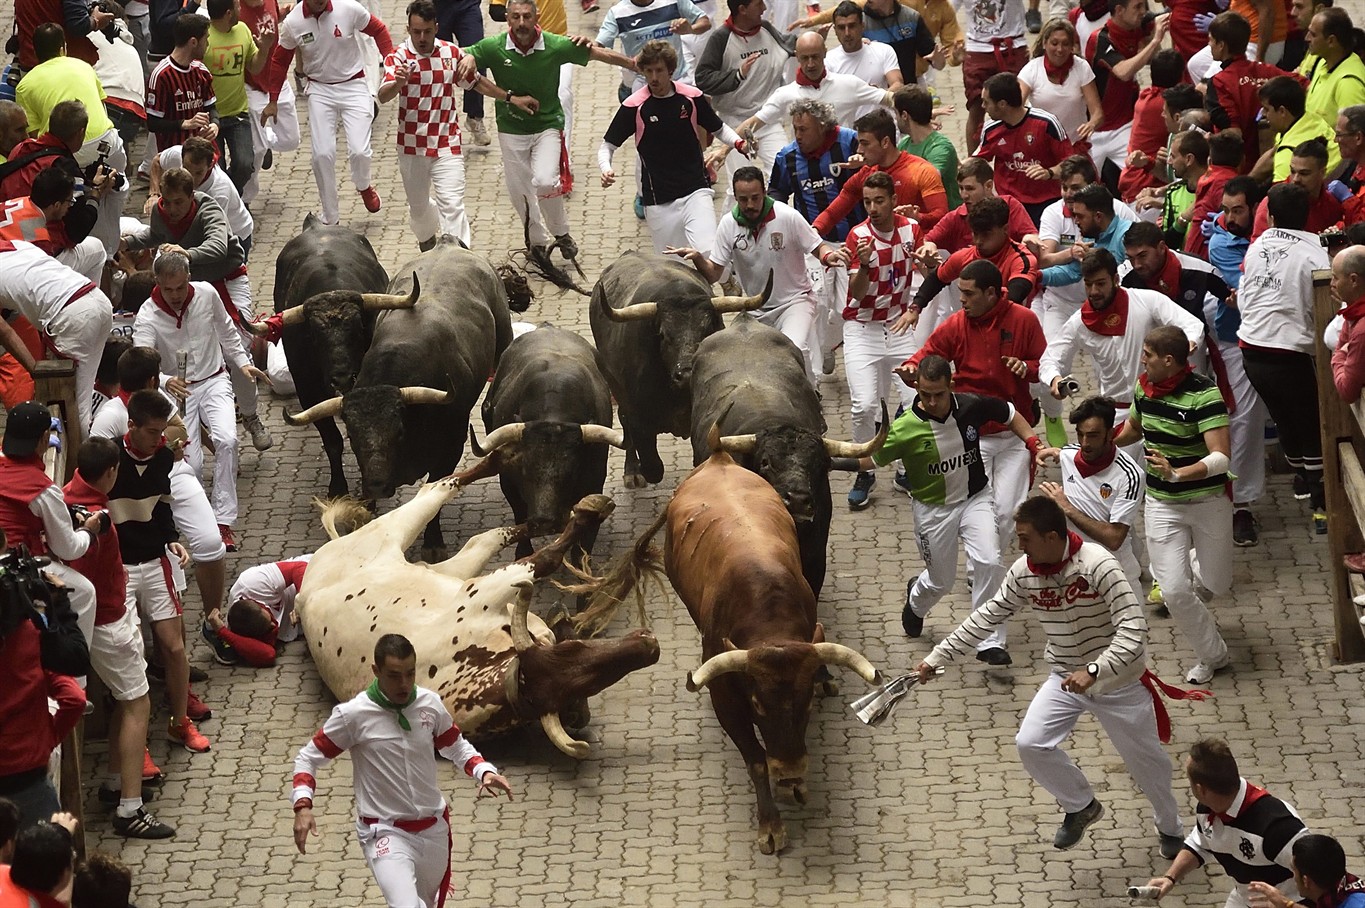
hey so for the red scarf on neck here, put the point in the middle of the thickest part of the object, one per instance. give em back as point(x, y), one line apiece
point(1156, 390)
point(1058, 74)
point(177, 228)
point(730, 24)
point(1354, 311)
point(1254, 794)
point(1088, 469)
point(1168, 279)
point(1112, 320)
point(167, 308)
point(802, 80)
point(524, 48)
point(1126, 41)
point(1073, 544)
point(830, 138)
point(142, 456)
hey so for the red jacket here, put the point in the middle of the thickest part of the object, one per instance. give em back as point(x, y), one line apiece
point(102, 563)
point(1208, 197)
point(1348, 360)
point(917, 183)
point(28, 732)
point(13, 896)
point(951, 233)
point(975, 347)
point(1323, 212)
point(1233, 100)
point(1149, 136)
point(20, 183)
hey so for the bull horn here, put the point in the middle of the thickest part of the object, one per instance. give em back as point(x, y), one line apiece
point(734, 660)
point(594, 434)
point(420, 395)
point(324, 410)
point(713, 437)
point(632, 313)
point(479, 450)
point(853, 449)
point(292, 316)
point(844, 657)
point(521, 634)
point(509, 434)
point(741, 303)
point(737, 444)
point(554, 730)
point(376, 301)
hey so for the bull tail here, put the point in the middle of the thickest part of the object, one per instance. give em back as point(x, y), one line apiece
point(344, 512)
point(624, 576)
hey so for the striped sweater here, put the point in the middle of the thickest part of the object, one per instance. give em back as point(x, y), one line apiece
point(1087, 610)
point(140, 503)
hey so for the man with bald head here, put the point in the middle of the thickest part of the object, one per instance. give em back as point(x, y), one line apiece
point(1348, 288)
point(846, 94)
point(13, 127)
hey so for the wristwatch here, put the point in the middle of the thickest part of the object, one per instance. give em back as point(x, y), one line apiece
point(1093, 669)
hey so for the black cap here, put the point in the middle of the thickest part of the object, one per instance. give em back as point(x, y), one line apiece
point(25, 425)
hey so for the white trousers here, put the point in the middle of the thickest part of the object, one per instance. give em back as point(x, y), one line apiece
point(435, 189)
point(1111, 145)
point(243, 388)
point(1053, 316)
point(689, 221)
point(1007, 467)
point(194, 516)
point(111, 205)
point(794, 320)
point(282, 135)
point(86, 258)
point(408, 866)
point(831, 292)
point(1174, 531)
point(210, 405)
point(350, 105)
point(1127, 717)
point(79, 332)
point(871, 351)
point(938, 529)
point(530, 164)
point(1246, 429)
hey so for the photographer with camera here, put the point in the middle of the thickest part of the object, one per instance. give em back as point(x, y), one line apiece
point(52, 218)
point(59, 78)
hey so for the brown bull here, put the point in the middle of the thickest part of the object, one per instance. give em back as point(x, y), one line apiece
point(732, 555)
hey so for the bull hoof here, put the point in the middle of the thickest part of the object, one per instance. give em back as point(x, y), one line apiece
point(772, 841)
point(635, 481)
point(337, 490)
point(594, 507)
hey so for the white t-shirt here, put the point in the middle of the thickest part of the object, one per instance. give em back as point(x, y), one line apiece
point(326, 45)
point(1085, 28)
point(219, 187)
point(871, 63)
point(1065, 101)
point(1202, 66)
point(203, 331)
point(847, 94)
point(1113, 495)
point(994, 19)
point(1055, 224)
point(780, 246)
point(36, 284)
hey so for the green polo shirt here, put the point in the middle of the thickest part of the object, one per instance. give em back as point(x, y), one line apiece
point(1308, 126)
point(938, 150)
point(227, 56)
point(535, 74)
point(62, 79)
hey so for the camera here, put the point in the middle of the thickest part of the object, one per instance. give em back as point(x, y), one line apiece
point(22, 587)
point(102, 162)
point(80, 514)
point(1068, 386)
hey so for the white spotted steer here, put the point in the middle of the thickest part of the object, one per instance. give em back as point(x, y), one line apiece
point(493, 665)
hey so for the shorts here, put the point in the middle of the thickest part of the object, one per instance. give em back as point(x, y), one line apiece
point(978, 66)
point(117, 656)
point(152, 590)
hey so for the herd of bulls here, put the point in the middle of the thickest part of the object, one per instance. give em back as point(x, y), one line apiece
point(403, 362)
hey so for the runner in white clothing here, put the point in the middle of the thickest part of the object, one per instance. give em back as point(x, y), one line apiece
point(403, 824)
point(848, 95)
point(873, 62)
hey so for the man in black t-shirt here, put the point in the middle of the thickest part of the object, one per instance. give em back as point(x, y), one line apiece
point(671, 123)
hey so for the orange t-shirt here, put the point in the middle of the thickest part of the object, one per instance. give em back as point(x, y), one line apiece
point(917, 183)
point(1279, 28)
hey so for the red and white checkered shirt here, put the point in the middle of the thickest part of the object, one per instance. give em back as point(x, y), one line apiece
point(428, 114)
point(888, 288)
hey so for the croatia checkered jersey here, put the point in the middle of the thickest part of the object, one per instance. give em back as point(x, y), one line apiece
point(891, 271)
point(428, 105)
point(394, 768)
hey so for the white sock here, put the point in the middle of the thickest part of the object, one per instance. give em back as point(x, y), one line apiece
point(127, 807)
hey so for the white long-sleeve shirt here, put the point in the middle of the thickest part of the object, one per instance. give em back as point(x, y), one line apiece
point(847, 94)
point(1118, 358)
point(36, 284)
point(1275, 297)
point(1087, 610)
point(394, 771)
point(202, 329)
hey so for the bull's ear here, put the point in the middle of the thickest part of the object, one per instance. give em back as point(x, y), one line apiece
point(819, 635)
point(729, 644)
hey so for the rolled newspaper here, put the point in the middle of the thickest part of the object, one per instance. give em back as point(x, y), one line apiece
point(1144, 893)
point(876, 707)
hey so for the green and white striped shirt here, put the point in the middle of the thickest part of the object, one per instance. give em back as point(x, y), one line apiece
point(1173, 425)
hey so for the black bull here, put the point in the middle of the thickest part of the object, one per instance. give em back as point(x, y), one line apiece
point(750, 381)
point(548, 415)
point(408, 412)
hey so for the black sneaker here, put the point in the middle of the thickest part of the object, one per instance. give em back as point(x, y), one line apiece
point(1244, 528)
point(567, 247)
point(912, 623)
point(1033, 21)
point(110, 797)
point(157, 673)
point(1301, 489)
point(994, 655)
point(223, 653)
point(1171, 846)
point(142, 825)
point(859, 496)
point(1074, 825)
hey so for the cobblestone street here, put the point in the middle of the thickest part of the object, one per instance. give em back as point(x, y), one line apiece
point(932, 809)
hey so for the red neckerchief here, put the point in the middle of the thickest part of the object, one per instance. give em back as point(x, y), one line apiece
point(1094, 9)
point(326, 9)
point(1073, 544)
point(1058, 74)
point(1354, 311)
point(1126, 41)
point(1088, 469)
point(168, 309)
point(830, 138)
point(802, 80)
point(124, 395)
point(1350, 884)
point(1155, 390)
point(730, 24)
point(177, 228)
point(525, 49)
point(1254, 794)
point(1112, 320)
point(141, 456)
point(1168, 279)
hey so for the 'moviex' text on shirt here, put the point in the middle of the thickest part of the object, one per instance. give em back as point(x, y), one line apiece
point(956, 462)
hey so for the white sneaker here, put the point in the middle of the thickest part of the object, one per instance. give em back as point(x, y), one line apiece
point(1202, 673)
point(478, 133)
point(260, 435)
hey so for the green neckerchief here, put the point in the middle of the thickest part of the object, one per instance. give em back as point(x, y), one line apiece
point(755, 226)
point(377, 696)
